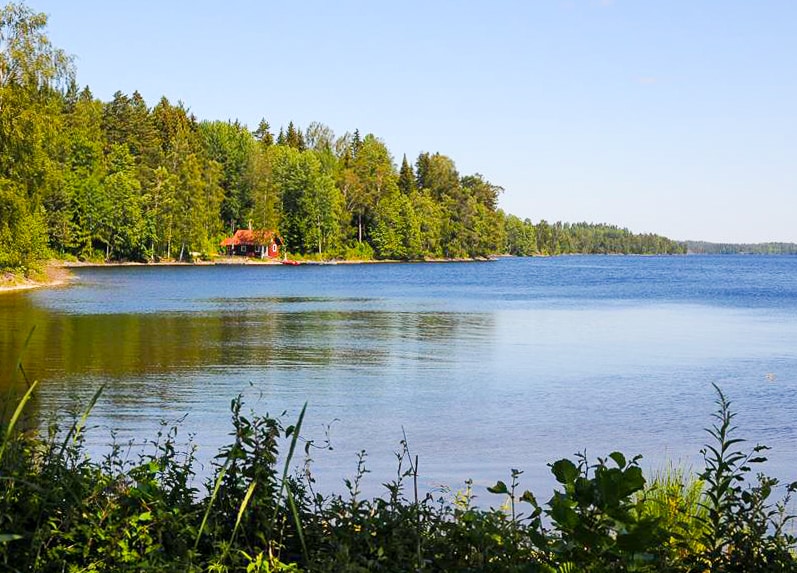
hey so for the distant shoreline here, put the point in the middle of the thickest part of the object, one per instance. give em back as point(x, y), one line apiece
point(229, 261)
point(58, 273)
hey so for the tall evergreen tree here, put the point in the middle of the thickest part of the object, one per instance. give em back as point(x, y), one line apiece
point(356, 143)
point(171, 123)
point(406, 180)
point(117, 120)
point(263, 133)
point(294, 138)
point(144, 141)
point(81, 166)
point(422, 170)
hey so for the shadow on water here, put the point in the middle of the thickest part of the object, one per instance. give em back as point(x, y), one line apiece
point(284, 337)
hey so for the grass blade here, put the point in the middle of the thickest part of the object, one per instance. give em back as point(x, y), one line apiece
point(297, 520)
point(77, 427)
point(15, 417)
point(283, 485)
point(295, 438)
point(24, 346)
point(216, 488)
point(250, 490)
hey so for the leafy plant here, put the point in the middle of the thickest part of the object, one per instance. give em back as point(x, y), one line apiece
point(601, 526)
point(744, 531)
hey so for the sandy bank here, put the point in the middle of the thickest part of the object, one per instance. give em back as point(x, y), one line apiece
point(54, 274)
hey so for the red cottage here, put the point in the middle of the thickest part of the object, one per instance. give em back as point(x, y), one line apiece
point(249, 243)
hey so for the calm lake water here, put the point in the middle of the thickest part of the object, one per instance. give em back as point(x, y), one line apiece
point(486, 366)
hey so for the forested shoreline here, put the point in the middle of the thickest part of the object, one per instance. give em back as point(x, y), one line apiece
point(706, 248)
point(83, 179)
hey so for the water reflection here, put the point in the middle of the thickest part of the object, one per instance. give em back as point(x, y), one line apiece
point(139, 345)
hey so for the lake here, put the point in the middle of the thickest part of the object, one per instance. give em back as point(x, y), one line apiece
point(486, 366)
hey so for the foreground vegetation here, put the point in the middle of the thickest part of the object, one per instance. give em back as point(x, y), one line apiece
point(123, 180)
point(61, 511)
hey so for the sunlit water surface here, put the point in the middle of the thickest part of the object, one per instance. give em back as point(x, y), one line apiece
point(485, 366)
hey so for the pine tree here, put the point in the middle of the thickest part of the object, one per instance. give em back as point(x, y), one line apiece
point(143, 139)
point(356, 143)
point(406, 180)
point(293, 137)
point(422, 171)
point(116, 120)
point(263, 133)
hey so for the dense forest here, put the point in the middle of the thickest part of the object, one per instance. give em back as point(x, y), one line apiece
point(704, 248)
point(123, 180)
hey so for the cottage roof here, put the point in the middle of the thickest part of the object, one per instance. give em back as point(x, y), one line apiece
point(249, 237)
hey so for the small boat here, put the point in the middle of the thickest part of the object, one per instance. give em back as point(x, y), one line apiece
point(290, 262)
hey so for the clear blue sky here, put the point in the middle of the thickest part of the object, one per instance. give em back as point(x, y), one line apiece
point(675, 117)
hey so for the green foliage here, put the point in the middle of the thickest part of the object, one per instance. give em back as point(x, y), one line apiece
point(359, 252)
point(263, 134)
point(31, 70)
point(430, 215)
point(397, 232)
point(602, 527)
point(184, 184)
point(23, 231)
point(675, 498)
point(60, 511)
point(588, 238)
point(520, 237)
point(743, 530)
point(310, 202)
point(231, 146)
point(704, 248)
point(406, 180)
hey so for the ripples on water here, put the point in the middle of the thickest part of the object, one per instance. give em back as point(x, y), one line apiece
point(487, 366)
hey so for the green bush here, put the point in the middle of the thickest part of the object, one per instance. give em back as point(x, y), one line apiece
point(61, 511)
point(359, 252)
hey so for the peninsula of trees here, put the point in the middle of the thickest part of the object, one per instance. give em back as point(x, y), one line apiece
point(705, 248)
point(120, 180)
